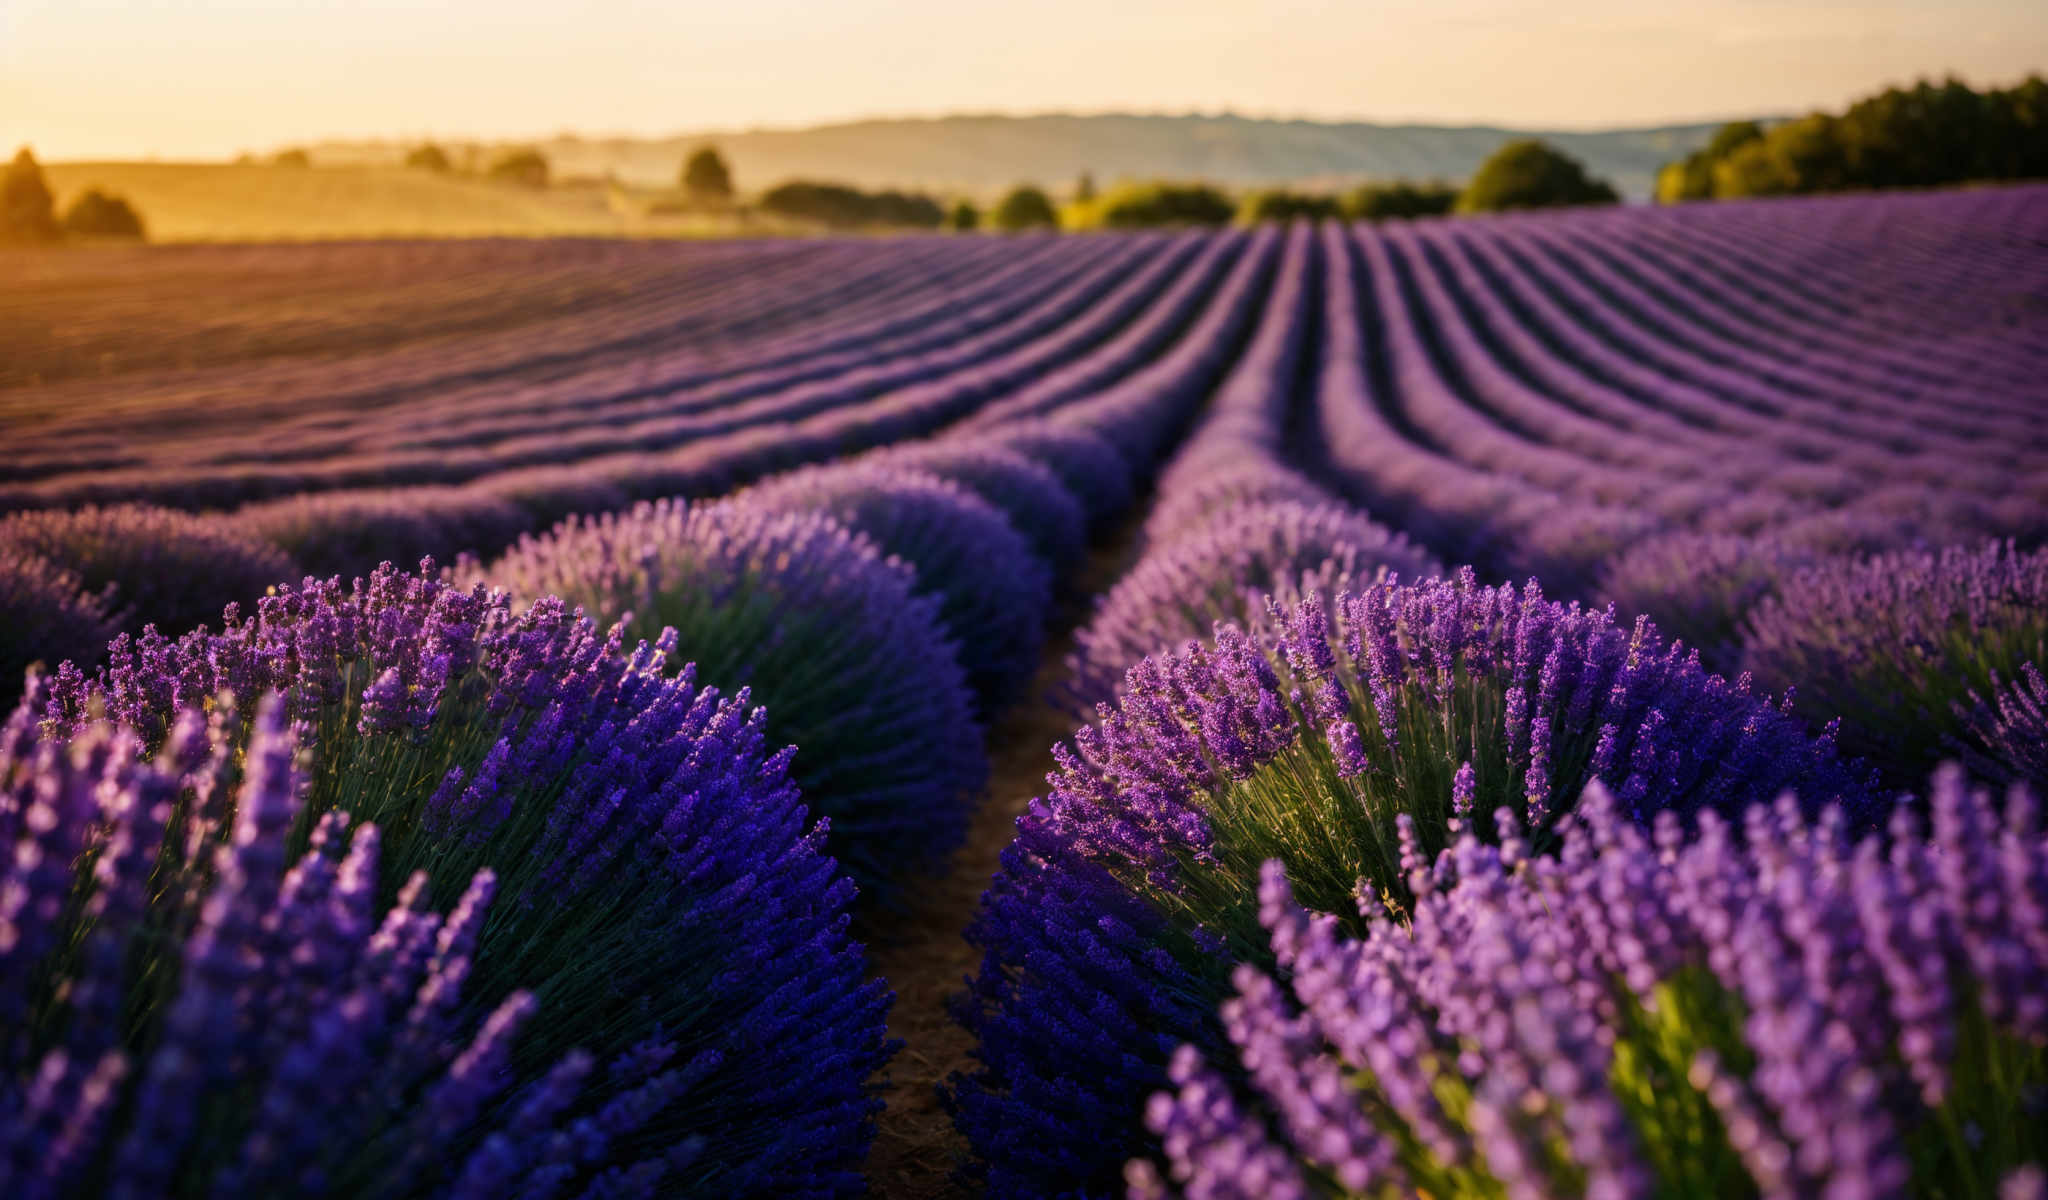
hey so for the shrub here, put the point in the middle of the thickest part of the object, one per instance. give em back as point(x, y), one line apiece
point(98, 214)
point(1024, 207)
point(851, 668)
point(527, 168)
point(154, 566)
point(706, 178)
point(1131, 889)
point(429, 157)
point(1025, 491)
point(840, 207)
point(1698, 587)
point(992, 591)
point(1692, 178)
point(1191, 500)
point(1380, 201)
point(1094, 471)
point(1150, 205)
point(1224, 573)
point(1279, 204)
point(347, 533)
point(660, 890)
point(28, 212)
point(1531, 174)
point(1895, 643)
point(291, 157)
point(964, 217)
point(45, 617)
point(1781, 1012)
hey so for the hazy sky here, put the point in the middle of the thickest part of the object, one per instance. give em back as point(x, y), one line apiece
point(205, 78)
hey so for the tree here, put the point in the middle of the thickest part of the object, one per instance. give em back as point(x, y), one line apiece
point(1146, 205)
point(100, 214)
point(1532, 174)
point(291, 157)
point(964, 218)
point(429, 157)
point(1279, 204)
point(526, 167)
point(1381, 201)
point(1024, 208)
point(1692, 178)
point(28, 212)
point(706, 178)
point(841, 207)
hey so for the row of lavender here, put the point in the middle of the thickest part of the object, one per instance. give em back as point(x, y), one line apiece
point(497, 745)
point(1567, 930)
point(482, 871)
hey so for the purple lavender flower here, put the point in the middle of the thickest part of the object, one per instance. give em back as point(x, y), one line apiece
point(45, 617)
point(851, 667)
point(1898, 644)
point(1217, 758)
point(1756, 1050)
point(655, 870)
point(155, 566)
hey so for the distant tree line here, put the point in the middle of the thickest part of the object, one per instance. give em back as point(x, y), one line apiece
point(1927, 135)
point(839, 206)
point(28, 209)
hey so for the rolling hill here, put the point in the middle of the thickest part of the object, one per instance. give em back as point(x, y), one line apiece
point(983, 154)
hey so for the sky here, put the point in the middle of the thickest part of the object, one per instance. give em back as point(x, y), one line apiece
point(209, 78)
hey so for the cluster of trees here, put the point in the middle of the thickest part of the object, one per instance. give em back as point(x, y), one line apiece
point(1928, 135)
point(1366, 202)
point(28, 209)
point(838, 206)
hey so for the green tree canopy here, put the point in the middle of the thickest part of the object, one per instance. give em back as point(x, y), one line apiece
point(1025, 207)
point(1381, 201)
point(965, 218)
point(1146, 205)
point(1928, 135)
point(1532, 174)
point(1279, 204)
point(101, 214)
point(706, 177)
point(28, 212)
point(838, 206)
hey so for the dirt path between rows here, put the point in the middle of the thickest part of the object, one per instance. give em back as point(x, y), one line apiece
point(922, 954)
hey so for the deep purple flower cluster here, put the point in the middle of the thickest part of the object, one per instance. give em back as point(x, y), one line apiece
point(1131, 888)
point(1026, 492)
point(1770, 1007)
point(156, 566)
point(661, 889)
point(2007, 734)
point(852, 669)
point(1896, 644)
point(200, 1002)
point(1225, 573)
point(45, 617)
point(993, 591)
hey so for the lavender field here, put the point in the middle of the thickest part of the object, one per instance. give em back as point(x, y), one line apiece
point(1530, 705)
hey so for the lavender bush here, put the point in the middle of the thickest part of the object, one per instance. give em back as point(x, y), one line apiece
point(156, 566)
point(1025, 491)
point(1897, 644)
point(1093, 470)
point(1771, 1007)
point(661, 892)
point(349, 533)
point(852, 669)
point(1225, 572)
point(45, 617)
point(1131, 889)
point(1698, 587)
point(992, 590)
